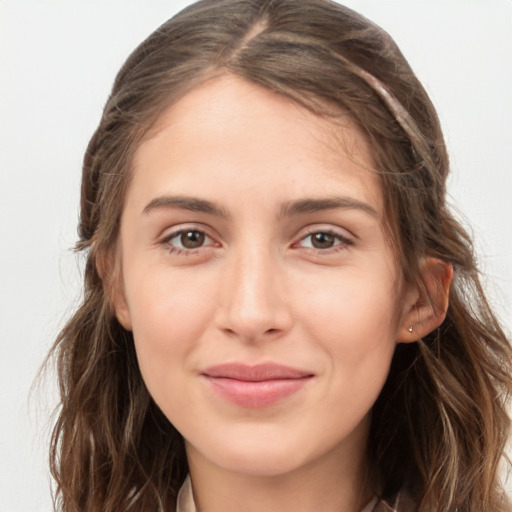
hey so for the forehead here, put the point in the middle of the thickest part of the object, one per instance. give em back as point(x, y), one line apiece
point(233, 130)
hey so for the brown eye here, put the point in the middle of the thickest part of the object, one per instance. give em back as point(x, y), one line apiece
point(187, 240)
point(325, 240)
point(192, 239)
point(322, 240)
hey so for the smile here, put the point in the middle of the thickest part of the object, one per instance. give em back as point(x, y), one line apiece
point(255, 386)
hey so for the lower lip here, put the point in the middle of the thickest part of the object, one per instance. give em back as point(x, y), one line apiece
point(256, 394)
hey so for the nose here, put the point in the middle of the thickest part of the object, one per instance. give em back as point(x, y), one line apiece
point(253, 305)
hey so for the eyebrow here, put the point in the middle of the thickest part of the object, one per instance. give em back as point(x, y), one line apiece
point(303, 206)
point(192, 204)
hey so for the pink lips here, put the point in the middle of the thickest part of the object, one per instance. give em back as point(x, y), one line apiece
point(255, 386)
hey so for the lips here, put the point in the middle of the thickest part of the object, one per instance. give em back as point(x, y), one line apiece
point(255, 386)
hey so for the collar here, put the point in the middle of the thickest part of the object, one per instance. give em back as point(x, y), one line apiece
point(185, 502)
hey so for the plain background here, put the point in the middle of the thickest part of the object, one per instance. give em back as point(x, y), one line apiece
point(57, 62)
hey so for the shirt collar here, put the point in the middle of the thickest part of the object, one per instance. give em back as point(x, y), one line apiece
point(185, 502)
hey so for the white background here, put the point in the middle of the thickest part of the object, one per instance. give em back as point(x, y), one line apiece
point(57, 62)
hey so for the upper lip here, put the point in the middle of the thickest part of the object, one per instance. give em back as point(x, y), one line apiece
point(255, 373)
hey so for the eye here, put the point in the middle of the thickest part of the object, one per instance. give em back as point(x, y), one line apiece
point(323, 240)
point(188, 239)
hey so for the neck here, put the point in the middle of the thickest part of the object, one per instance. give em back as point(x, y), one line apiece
point(335, 482)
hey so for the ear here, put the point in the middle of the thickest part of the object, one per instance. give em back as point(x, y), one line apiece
point(425, 305)
point(121, 307)
point(109, 270)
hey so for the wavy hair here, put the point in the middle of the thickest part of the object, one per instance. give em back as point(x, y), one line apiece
point(439, 426)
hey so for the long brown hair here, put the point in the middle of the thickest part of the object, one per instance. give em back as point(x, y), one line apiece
point(440, 425)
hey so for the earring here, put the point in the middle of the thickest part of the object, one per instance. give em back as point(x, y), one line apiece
point(411, 328)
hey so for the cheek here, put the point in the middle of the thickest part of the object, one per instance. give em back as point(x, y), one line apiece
point(355, 306)
point(355, 321)
point(166, 305)
point(169, 315)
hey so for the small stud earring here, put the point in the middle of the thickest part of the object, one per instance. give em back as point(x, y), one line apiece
point(410, 328)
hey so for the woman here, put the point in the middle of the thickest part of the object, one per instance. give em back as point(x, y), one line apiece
point(280, 313)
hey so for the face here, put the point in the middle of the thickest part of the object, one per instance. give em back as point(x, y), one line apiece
point(258, 279)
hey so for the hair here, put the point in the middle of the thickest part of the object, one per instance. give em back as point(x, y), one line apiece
point(439, 426)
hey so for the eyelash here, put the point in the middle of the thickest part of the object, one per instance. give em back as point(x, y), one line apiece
point(342, 242)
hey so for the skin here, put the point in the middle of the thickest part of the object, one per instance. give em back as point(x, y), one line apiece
point(258, 288)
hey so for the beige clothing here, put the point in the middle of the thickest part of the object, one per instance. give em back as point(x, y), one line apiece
point(185, 502)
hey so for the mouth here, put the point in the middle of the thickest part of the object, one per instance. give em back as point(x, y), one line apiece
point(255, 386)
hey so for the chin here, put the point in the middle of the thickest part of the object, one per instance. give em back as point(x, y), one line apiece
point(268, 463)
point(257, 453)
